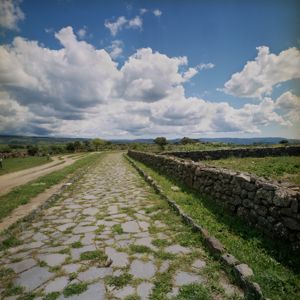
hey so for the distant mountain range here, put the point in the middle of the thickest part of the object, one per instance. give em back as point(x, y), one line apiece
point(25, 140)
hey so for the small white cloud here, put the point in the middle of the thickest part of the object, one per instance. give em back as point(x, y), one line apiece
point(49, 30)
point(116, 49)
point(82, 32)
point(157, 12)
point(10, 14)
point(136, 22)
point(143, 11)
point(114, 27)
point(205, 66)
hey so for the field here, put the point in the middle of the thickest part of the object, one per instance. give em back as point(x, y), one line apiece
point(23, 194)
point(276, 269)
point(282, 168)
point(21, 163)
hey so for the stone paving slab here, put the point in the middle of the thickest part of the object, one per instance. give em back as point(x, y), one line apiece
point(109, 237)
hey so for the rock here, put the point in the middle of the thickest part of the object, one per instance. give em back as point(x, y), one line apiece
point(56, 285)
point(142, 270)
point(33, 278)
point(244, 270)
point(199, 264)
point(175, 188)
point(52, 260)
point(177, 249)
point(291, 223)
point(94, 273)
point(22, 265)
point(130, 226)
point(144, 290)
point(183, 278)
point(229, 259)
point(215, 245)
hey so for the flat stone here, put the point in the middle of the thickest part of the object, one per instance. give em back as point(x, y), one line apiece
point(124, 292)
point(22, 265)
point(53, 260)
point(94, 273)
point(182, 278)
point(84, 229)
point(56, 285)
point(33, 278)
point(95, 291)
point(144, 290)
point(91, 211)
point(130, 226)
point(33, 245)
point(147, 241)
point(65, 226)
point(144, 225)
point(112, 210)
point(120, 259)
point(164, 266)
point(199, 264)
point(141, 269)
point(177, 249)
point(71, 268)
point(40, 237)
point(174, 292)
point(229, 259)
point(244, 270)
point(72, 239)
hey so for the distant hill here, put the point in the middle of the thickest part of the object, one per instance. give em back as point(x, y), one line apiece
point(26, 140)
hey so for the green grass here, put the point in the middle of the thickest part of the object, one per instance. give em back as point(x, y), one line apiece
point(21, 163)
point(285, 168)
point(52, 296)
point(24, 193)
point(94, 255)
point(119, 281)
point(117, 228)
point(75, 289)
point(276, 268)
point(193, 292)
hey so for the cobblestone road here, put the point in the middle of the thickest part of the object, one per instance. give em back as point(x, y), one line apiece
point(110, 237)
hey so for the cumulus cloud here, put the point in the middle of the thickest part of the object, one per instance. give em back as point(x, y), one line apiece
point(157, 13)
point(289, 103)
point(10, 14)
point(143, 11)
point(136, 22)
point(115, 49)
point(81, 90)
point(258, 77)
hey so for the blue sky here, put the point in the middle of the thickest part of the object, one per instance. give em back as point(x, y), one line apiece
point(127, 69)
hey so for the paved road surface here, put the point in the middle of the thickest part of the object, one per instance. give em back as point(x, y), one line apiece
point(110, 226)
point(11, 180)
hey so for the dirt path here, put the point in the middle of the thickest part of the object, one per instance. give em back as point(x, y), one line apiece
point(11, 180)
point(111, 237)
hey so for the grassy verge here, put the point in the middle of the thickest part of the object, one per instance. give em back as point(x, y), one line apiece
point(286, 168)
point(276, 269)
point(21, 163)
point(23, 194)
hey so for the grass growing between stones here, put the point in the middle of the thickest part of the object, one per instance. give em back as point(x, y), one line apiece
point(94, 255)
point(22, 163)
point(286, 168)
point(276, 268)
point(119, 281)
point(75, 289)
point(23, 194)
point(193, 292)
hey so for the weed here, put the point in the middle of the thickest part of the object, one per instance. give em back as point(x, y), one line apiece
point(52, 296)
point(140, 249)
point(160, 243)
point(193, 292)
point(11, 241)
point(117, 228)
point(119, 281)
point(162, 285)
point(77, 245)
point(75, 289)
point(94, 255)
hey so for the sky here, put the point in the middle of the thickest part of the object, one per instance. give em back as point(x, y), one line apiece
point(142, 69)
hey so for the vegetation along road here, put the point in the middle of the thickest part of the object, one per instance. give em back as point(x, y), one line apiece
point(109, 236)
point(14, 179)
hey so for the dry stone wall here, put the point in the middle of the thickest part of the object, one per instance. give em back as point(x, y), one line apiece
point(237, 152)
point(267, 205)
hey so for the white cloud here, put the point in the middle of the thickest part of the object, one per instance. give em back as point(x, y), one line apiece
point(206, 66)
point(82, 32)
point(143, 11)
point(157, 13)
point(114, 27)
point(116, 49)
point(136, 22)
point(121, 22)
point(267, 70)
point(80, 90)
point(10, 14)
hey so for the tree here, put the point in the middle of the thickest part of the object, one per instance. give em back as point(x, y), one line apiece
point(161, 141)
point(284, 142)
point(70, 147)
point(186, 140)
point(98, 143)
point(32, 150)
point(77, 145)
